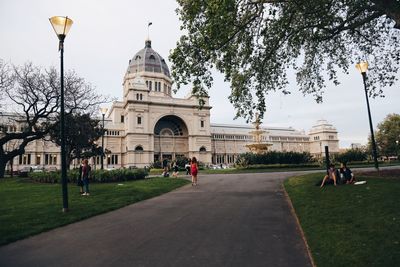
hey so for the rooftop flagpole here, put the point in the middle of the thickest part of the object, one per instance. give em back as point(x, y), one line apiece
point(148, 32)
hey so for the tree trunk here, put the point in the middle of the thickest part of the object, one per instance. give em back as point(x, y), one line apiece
point(2, 166)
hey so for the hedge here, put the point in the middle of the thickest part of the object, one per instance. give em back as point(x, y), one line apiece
point(97, 176)
point(274, 157)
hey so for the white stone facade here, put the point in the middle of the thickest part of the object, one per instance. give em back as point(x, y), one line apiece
point(149, 124)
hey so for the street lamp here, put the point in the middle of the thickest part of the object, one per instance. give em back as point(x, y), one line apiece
point(362, 68)
point(103, 112)
point(61, 26)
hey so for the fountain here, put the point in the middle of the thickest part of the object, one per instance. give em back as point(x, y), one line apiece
point(259, 147)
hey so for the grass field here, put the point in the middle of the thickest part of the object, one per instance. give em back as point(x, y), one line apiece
point(28, 208)
point(349, 225)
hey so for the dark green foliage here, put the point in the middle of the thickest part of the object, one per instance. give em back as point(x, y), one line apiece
point(274, 157)
point(388, 136)
point(280, 167)
point(156, 165)
point(81, 134)
point(97, 176)
point(351, 155)
point(255, 44)
point(181, 161)
point(349, 225)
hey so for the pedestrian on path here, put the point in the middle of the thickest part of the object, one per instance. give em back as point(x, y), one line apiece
point(86, 169)
point(79, 180)
point(187, 167)
point(193, 170)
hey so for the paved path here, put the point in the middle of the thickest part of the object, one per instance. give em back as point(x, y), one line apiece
point(228, 220)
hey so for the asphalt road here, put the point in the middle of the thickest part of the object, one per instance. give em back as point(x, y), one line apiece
point(227, 220)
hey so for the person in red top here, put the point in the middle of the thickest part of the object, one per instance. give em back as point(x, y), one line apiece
point(193, 170)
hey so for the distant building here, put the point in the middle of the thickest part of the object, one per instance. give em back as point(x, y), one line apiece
point(149, 125)
point(356, 146)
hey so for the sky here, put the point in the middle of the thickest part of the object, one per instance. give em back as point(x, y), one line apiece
point(106, 34)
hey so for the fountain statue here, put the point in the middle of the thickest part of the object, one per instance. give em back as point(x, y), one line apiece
point(258, 147)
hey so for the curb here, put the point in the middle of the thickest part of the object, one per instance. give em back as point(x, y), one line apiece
point(292, 210)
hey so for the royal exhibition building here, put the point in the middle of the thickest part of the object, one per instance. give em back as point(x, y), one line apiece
point(149, 124)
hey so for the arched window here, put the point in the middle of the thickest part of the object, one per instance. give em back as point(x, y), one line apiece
point(139, 148)
point(152, 57)
point(203, 149)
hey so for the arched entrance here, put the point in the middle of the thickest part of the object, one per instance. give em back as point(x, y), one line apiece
point(170, 138)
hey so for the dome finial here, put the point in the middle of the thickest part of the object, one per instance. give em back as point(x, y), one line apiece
point(147, 43)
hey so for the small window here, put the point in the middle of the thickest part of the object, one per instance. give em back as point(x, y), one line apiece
point(112, 159)
point(141, 97)
point(203, 149)
point(122, 118)
point(139, 120)
point(202, 124)
point(139, 148)
point(152, 57)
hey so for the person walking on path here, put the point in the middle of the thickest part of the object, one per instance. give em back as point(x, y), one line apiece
point(85, 176)
point(193, 170)
point(79, 181)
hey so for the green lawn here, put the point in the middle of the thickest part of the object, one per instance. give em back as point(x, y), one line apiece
point(349, 225)
point(28, 208)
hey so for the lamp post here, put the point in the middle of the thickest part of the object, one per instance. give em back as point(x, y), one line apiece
point(362, 68)
point(103, 113)
point(61, 26)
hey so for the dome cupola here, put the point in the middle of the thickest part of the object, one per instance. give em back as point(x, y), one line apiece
point(148, 60)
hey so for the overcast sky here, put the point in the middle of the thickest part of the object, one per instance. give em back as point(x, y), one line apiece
point(106, 34)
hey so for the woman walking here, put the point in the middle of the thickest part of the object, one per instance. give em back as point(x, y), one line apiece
point(193, 170)
point(85, 176)
point(79, 180)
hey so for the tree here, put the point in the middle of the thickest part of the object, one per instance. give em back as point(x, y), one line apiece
point(81, 134)
point(350, 155)
point(256, 42)
point(388, 136)
point(31, 97)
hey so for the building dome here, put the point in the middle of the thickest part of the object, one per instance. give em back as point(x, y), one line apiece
point(148, 60)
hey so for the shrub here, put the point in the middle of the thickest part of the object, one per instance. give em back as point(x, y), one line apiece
point(352, 155)
point(278, 166)
point(99, 176)
point(156, 165)
point(274, 157)
point(45, 177)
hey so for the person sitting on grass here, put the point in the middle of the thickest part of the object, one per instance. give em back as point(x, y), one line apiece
point(346, 175)
point(175, 170)
point(330, 177)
